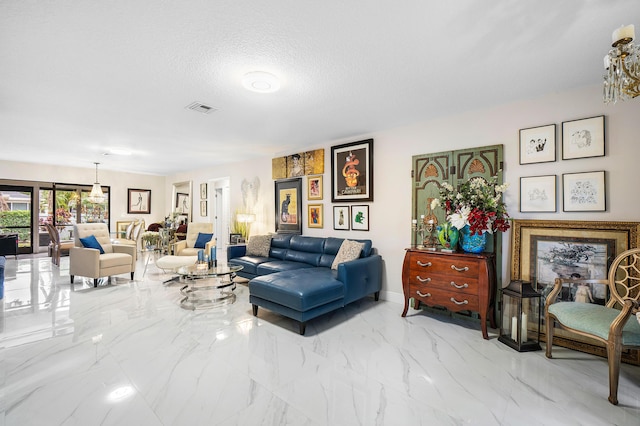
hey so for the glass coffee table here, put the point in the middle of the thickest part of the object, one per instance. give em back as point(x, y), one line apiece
point(207, 287)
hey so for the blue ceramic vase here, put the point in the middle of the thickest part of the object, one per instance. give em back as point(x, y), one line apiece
point(472, 243)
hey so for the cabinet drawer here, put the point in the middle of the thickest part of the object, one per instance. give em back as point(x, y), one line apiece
point(449, 282)
point(459, 266)
point(454, 301)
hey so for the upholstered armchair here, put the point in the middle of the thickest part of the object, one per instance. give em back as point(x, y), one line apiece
point(187, 247)
point(132, 234)
point(89, 262)
point(614, 325)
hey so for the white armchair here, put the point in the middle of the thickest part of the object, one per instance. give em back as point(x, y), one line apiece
point(88, 262)
point(186, 246)
point(132, 234)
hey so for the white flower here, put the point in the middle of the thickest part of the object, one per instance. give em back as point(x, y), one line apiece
point(435, 203)
point(459, 220)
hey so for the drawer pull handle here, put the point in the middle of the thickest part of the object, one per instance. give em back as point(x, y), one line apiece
point(465, 269)
point(423, 264)
point(423, 294)
point(423, 280)
point(453, 284)
point(464, 302)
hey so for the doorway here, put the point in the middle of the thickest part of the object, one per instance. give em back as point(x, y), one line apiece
point(220, 213)
point(16, 215)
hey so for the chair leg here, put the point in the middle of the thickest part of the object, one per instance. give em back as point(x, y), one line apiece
point(95, 282)
point(255, 310)
point(303, 326)
point(614, 351)
point(132, 275)
point(376, 296)
point(549, 327)
point(72, 277)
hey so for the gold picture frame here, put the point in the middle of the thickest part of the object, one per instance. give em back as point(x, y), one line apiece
point(314, 187)
point(604, 240)
point(315, 216)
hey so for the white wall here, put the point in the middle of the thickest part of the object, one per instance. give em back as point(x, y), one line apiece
point(118, 181)
point(390, 213)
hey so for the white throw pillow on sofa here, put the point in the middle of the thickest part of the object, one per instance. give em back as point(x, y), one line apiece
point(259, 245)
point(349, 250)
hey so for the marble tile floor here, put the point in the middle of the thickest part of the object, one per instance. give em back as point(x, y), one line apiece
point(125, 353)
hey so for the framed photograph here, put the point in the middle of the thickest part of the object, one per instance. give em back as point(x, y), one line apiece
point(341, 218)
point(538, 194)
point(314, 188)
point(583, 138)
point(288, 206)
point(234, 238)
point(352, 171)
point(139, 201)
point(315, 216)
point(203, 208)
point(538, 144)
point(203, 191)
point(584, 192)
point(543, 250)
point(182, 203)
point(360, 218)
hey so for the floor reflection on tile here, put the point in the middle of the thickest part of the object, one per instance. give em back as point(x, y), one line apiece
point(126, 353)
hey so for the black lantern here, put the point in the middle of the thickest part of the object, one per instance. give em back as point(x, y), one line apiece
point(521, 316)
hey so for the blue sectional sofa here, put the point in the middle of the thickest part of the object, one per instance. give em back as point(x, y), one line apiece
point(296, 279)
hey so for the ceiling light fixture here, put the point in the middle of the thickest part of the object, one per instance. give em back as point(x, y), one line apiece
point(261, 82)
point(96, 196)
point(622, 67)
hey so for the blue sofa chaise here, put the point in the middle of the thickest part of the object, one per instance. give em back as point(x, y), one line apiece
point(296, 279)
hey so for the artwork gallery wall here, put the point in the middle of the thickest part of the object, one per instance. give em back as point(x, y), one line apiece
point(389, 224)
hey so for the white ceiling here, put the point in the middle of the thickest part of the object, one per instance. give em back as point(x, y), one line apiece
point(80, 77)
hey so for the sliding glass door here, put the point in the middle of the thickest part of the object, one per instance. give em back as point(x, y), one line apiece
point(16, 213)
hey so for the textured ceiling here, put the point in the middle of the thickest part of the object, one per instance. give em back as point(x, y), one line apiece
point(77, 78)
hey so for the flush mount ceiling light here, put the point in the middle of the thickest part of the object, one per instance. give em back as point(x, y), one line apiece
point(261, 82)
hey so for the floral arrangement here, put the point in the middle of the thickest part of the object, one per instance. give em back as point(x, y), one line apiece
point(150, 237)
point(477, 203)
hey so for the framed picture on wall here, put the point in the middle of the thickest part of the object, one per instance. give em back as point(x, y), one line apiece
point(182, 203)
point(584, 192)
point(314, 188)
point(341, 218)
point(139, 201)
point(203, 191)
point(583, 138)
point(360, 218)
point(538, 144)
point(352, 171)
point(315, 216)
point(203, 208)
point(288, 202)
point(538, 194)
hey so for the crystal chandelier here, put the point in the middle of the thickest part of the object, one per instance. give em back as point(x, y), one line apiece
point(96, 196)
point(622, 67)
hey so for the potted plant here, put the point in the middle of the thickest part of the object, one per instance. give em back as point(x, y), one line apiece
point(150, 239)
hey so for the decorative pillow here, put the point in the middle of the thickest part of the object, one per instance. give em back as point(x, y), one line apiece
point(202, 240)
point(129, 231)
point(259, 245)
point(349, 250)
point(91, 242)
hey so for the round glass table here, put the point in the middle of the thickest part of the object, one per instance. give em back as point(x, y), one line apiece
point(207, 287)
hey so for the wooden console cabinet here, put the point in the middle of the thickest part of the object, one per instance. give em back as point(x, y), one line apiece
point(456, 281)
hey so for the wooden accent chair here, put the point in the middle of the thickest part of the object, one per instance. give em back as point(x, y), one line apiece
point(57, 245)
point(610, 324)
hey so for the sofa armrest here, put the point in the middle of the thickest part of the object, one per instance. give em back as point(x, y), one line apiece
point(361, 277)
point(84, 262)
point(127, 249)
point(178, 246)
point(236, 251)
